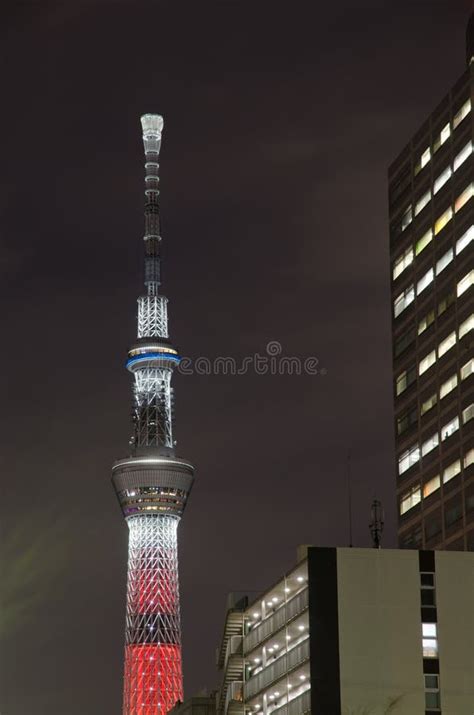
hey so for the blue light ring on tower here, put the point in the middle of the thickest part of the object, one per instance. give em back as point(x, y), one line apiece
point(152, 359)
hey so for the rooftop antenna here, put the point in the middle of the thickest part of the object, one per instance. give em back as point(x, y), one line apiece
point(377, 523)
point(349, 496)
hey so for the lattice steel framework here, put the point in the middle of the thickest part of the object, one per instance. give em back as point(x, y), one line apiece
point(153, 678)
point(153, 316)
point(152, 484)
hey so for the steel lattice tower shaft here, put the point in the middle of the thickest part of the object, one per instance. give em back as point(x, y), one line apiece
point(152, 484)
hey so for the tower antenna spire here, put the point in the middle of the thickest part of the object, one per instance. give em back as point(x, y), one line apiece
point(152, 483)
point(376, 525)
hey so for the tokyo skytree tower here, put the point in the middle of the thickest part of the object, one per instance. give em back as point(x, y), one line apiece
point(152, 484)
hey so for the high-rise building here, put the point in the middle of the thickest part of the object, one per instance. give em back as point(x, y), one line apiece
point(152, 484)
point(431, 205)
point(352, 631)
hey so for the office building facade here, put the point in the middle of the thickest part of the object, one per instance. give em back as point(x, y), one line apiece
point(431, 206)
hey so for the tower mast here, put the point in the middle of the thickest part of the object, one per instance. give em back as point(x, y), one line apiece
point(152, 484)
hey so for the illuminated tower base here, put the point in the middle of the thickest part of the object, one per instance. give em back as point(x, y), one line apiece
point(153, 674)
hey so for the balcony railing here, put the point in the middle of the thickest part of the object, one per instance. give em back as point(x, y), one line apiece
point(277, 669)
point(298, 706)
point(276, 621)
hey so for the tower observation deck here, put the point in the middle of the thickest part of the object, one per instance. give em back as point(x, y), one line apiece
point(152, 483)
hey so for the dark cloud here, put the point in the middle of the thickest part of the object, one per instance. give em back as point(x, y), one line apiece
point(280, 122)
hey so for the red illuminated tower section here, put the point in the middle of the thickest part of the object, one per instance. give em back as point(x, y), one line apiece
point(152, 483)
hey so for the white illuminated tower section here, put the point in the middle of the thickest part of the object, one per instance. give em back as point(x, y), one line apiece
point(152, 484)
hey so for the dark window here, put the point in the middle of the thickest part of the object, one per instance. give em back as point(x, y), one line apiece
point(406, 420)
point(433, 526)
point(428, 597)
point(412, 539)
point(470, 500)
point(453, 512)
point(404, 341)
point(470, 540)
point(427, 579)
point(432, 699)
point(446, 302)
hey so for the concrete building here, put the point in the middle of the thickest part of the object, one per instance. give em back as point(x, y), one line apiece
point(198, 705)
point(431, 207)
point(354, 632)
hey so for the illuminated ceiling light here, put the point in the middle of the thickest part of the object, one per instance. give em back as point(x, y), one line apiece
point(302, 677)
point(269, 603)
point(276, 693)
point(270, 650)
point(287, 590)
point(275, 645)
point(275, 599)
point(271, 697)
point(290, 685)
point(288, 636)
point(301, 628)
point(255, 615)
point(300, 579)
point(256, 660)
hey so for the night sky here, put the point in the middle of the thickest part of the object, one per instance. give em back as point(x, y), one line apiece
point(280, 122)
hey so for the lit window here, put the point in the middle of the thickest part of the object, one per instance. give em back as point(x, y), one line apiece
point(431, 486)
point(465, 283)
point(469, 458)
point(404, 300)
point(463, 198)
point(407, 218)
point(410, 499)
point(466, 327)
point(450, 428)
point(405, 379)
point(430, 640)
point(461, 114)
point(425, 158)
point(448, 386)
point(425, 322)
point(422, 201)
point(427, 362)
point(447, 344)
point(462, 156)
point(467, 369)
point(468, 413)
point(423, 242)
point(443, 220)
point(425, 281)
point(402, 262)
point(442, 179)
point(428, 404)
point(408, 459)
point(451, 471)
point(465, 240)
point(444, 261)
point(430, 444)
point(443, 137)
